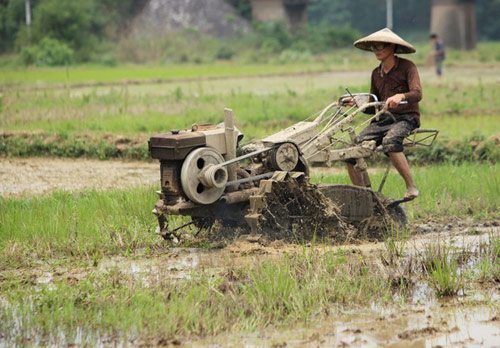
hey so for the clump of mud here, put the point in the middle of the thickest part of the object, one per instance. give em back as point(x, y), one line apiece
point(294, 210)
point(377, 226)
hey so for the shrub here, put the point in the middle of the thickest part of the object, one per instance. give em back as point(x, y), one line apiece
point(50, 52)
point(78, 24)
point(225, 52)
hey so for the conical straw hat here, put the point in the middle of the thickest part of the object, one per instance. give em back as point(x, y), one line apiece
point(385, 35)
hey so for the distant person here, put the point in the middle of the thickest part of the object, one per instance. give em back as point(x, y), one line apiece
point(393, 81)
point(438, 53)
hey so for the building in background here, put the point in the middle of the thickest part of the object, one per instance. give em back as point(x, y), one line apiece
point(455, 23)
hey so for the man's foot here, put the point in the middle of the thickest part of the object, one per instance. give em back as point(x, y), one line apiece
point(411, 193)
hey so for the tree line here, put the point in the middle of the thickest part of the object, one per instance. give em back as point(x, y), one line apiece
point(65, 31)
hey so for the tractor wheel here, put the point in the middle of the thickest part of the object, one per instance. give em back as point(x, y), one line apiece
point(398, 215)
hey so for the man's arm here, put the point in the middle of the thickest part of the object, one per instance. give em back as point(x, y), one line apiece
point(414, 95)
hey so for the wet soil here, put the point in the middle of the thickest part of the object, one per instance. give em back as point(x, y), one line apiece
point(424, 320)
point(252, 250)
point(439, 325)
point(464, 321)
point(35, 176)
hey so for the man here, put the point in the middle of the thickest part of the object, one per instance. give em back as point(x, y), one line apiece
point(395, 80)
point(438, 53)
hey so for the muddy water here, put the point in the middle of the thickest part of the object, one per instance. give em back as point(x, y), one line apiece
point(415, 327)
point(423, 321)
point(179, 263)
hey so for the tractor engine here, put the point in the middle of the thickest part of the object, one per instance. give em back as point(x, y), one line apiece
point(189, 160)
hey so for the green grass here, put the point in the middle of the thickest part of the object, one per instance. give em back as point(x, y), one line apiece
point(76, 224)
point(460, 110)
point(488, 263)
point(118, 221)
point(343, 59)
point(442, 270)
point(282, 292)
point(103, 74)
point(462, 106)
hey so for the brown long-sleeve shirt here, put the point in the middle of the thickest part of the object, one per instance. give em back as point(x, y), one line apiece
point(402, 78)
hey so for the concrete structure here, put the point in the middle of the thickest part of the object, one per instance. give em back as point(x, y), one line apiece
point(293, 11)
point(455, 23)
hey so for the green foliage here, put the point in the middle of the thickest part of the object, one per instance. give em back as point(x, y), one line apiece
point(79, 24)
point(488, 26)
point(12, 19)
point(475, 148)
point(488, 264)
point(242, 7)
point(225, 52)
point(92, 28)
point(183, 46)
point(50, 52)
point(275, 37)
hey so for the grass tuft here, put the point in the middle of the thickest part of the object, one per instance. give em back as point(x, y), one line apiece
point(442, 271)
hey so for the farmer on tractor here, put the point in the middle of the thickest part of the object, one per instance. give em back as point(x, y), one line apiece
point(395, 81)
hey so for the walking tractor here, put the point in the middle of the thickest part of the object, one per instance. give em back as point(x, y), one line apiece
point(263, 187)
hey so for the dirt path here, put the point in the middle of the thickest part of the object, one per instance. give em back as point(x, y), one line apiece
point(34, 176)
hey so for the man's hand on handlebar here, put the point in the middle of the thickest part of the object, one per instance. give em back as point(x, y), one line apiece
point(347, 101)
point(394, 101)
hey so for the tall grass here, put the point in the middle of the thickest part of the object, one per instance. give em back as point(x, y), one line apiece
point(76, 224)
point(488, 264)
point(442, 270)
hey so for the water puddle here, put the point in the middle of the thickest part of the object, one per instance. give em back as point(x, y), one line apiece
point(435, 327)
